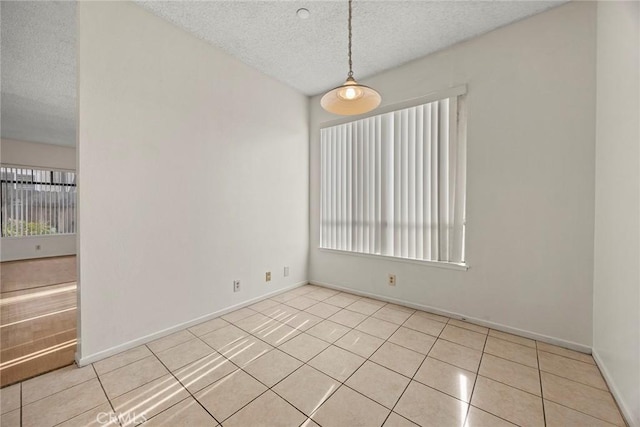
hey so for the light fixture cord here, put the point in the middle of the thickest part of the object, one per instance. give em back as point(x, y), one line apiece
point(350, 62)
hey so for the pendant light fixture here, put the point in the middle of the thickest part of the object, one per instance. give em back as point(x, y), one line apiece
point(351, 98)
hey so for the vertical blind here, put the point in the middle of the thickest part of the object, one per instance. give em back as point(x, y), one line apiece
point(37, 202)
point(394, 184)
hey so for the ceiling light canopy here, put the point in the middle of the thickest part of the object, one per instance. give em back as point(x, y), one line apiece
point(351, 98)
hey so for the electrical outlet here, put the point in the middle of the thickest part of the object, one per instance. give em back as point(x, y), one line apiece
point(236, 286)
point(286, 272)
point(267, 276)
point(392, 279)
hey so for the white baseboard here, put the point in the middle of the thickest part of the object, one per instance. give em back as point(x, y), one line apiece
point(497, 326)
point(622, 405)
point(82, 361)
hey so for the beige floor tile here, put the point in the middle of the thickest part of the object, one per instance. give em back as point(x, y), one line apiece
point(186, 413)
point(132, 376)
point(205, 371)
point(591, 401)
point(398, 358)
point(100, 416)
point(328, 331)
point(456, 354)
point(348, 408)
point(208, 326)
point(307, 389)
point(560, 351)
point(373, 301)
point(301, 321)
point(277, 334)
point(255, 323)
point(246, 350)
point(240, 314)
point(280, 312)
point(10, 398)
point(463, 337)
point(10, 418)
point(561, 416)
point(263, 305)
point(512, 338)
point(149, 400)
point(400, 308)
point(183, 354)
point(511, 373)
point(359, 343)
point(323, 310)
point(341, 300)
point(378, 327)
point(286, 296)
point(512, 351)
point(337, 363)
point(304, 347)
point(424, 324)
point(225, 338)
point(53, 382)
point(321, 294)
point(430, 408)
point(121, 359)
point(396, 420)
point(509, 403)
point(363, 307)
point(347, 318)
point(446, 378)
point(575, 370)
point(170, 341)
point(378, 383)
point(479, 418)
point(272, 367)
point(267, 410)
point(229, 394)
point(64, 405)
point(392, 315)
point(413, 340)
point(301, 303)
point(470, 326)
point(432, 316)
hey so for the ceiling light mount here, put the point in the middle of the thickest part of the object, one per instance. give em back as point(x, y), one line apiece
point(303, 13)
point(351, 98)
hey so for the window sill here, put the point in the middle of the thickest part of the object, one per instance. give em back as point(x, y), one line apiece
point(438, 264)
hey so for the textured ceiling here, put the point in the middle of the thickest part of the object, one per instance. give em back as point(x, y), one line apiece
point(39, 58)
point(38, 71)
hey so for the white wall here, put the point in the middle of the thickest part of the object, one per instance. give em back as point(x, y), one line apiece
point(33, 154)
point(194, 173)
point(530, 193)
point(616, 308)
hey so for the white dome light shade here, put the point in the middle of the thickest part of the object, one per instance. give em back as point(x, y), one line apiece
point(350, 99)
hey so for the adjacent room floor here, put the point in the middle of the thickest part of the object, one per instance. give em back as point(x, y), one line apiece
point(37, 316)
point(314, 356)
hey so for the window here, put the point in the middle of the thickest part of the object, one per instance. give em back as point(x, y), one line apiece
point(394, 184)
point(37, 202)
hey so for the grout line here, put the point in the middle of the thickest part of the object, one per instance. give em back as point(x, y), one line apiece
point(473, 389)
point(105, 395)
point(183, 386)
point(544, 413)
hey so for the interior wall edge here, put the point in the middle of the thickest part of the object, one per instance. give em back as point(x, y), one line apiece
point(83, 360)
point(608, 378)
point(460, 316)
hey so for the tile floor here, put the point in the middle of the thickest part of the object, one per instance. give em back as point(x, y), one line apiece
point(317, 357)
